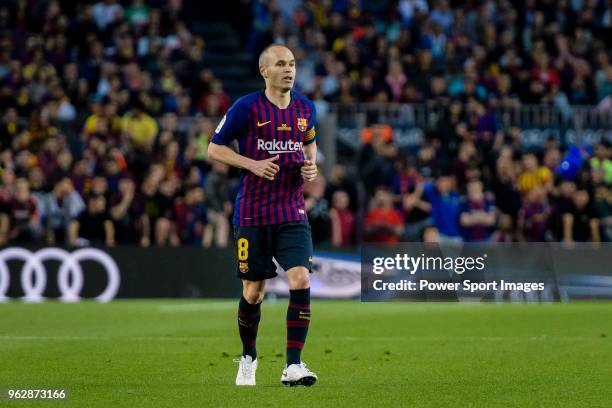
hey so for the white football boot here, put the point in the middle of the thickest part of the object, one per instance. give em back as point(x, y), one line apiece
point(246, 371)
point(298, 374)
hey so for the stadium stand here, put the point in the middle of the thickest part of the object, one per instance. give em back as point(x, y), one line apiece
point(108, 108)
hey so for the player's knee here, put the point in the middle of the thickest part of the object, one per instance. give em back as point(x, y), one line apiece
point(253, 295)
point(299, 278)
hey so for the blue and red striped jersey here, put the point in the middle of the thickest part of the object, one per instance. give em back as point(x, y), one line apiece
point(263, 130)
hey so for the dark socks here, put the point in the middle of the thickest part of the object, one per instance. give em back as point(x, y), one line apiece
point(298, 320)
point(248, 322)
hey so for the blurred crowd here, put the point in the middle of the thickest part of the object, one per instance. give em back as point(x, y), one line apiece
point(498, 52)
point(471, 179)
point(134, 78)
point(472, 189)
point(136, 171)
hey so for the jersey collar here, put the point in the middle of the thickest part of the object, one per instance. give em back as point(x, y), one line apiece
point(291, 94)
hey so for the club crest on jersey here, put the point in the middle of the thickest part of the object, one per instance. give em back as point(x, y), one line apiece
point(302, 124)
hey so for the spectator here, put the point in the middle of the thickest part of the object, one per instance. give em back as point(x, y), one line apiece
point(533, 175)
point(220, 208)
point(340, 179)
point(602, 159)
point(215, 102)
point(138, 13)
point(477, 214)
point(416, 210)
point(383, 223)
point(580, 222)
point(94, 225)
point(23, 217)
point(106, 12)
point(430, 235)
point(317, 209)
point(561, 203)
point(342, 220)
point(104, 122)
point(376, 157)
point(603, 211)
point(154, 208)
point(139, 129)
point(505, 186)
point(60, 207)
point(122, 212)
point(191, 219)
point(9, 128)
point(445, 207)
point(533, 216)
point(395, 80)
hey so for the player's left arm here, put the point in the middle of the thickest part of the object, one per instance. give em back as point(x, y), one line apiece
point(309, 168)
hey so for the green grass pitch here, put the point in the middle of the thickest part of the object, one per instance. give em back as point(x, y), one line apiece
point(179, 354)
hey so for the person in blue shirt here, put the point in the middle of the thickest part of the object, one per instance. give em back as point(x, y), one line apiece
point(445, 206)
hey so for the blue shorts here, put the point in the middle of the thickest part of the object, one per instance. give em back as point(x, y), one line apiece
point(290, 243)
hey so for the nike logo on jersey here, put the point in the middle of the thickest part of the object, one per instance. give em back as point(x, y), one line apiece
point(262, 123)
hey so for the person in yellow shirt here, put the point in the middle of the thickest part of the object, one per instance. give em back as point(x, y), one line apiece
point(533, 175)
point(139, 129)
point(108, 112)
point(602, 159)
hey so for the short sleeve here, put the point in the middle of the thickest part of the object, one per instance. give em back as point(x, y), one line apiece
point(311, 134)
point(233, 125)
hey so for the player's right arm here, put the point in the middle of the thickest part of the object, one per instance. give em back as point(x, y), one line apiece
point(262, 168)
point(234, 126)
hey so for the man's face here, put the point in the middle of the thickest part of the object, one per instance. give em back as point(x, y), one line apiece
point(22, 190)
point(278, 68)
point(474, 190)
point(110, 110)
point(445, 184)
point(530, 162)
point(581, 198)
point(383, 199)
point(568, 188)
point(99, 185)
point(600, 151)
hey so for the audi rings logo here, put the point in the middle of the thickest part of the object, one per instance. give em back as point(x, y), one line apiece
point(69, 277)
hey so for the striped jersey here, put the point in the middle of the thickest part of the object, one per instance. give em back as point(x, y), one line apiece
point(264, 130)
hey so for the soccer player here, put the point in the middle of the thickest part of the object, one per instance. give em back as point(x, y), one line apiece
point(275, 132)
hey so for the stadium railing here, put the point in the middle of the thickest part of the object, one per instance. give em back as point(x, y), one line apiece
point(340, 125)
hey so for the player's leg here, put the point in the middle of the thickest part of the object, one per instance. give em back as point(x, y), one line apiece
point(249, 313)
point(294, 254)
point(248, 323)
point(254, 266)
point(298, 312)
